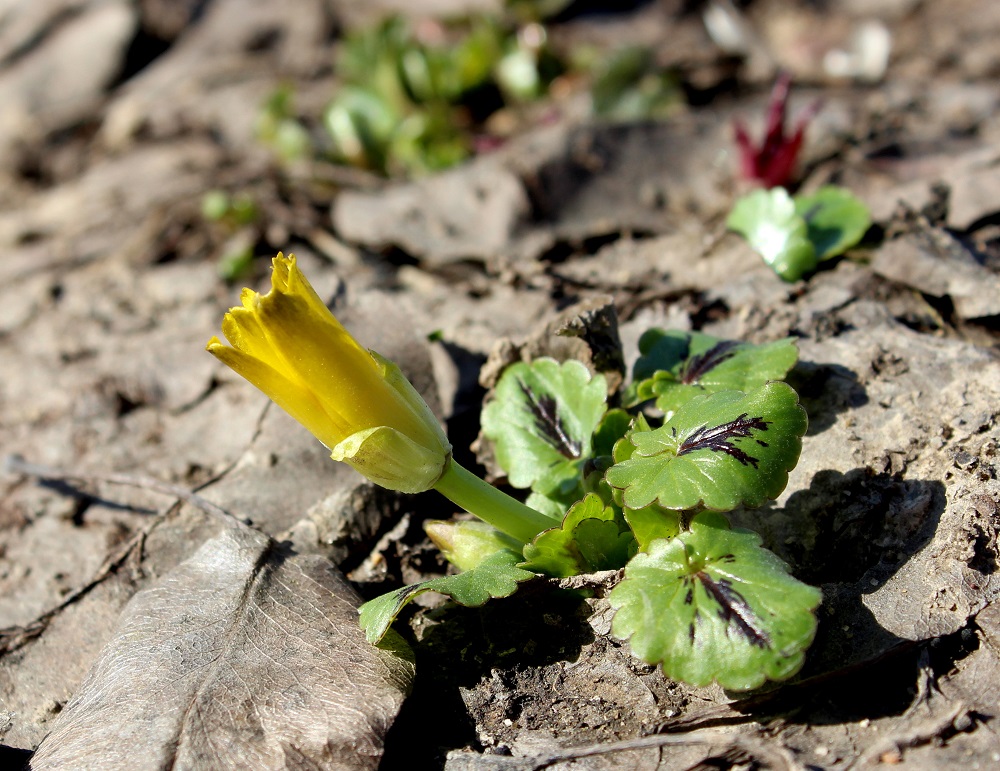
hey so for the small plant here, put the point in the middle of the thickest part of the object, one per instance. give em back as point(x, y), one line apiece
point(278, 128)
point(236, 217)
point(623, 490)
point(795, 234)
point(630, 85)
point(610, 487)
point(413, 95)
point(773, 162)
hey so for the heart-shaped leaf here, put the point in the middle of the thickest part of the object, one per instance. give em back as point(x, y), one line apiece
point(651, 523)
point(542, 419)
point(768, 221)
point(496, 576)
point(712, 604)
point(717, 451)
point(591, 537)
point(835, 220)
point(676, 366)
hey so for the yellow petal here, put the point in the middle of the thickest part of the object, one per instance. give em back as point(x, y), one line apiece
point(318, 351)
point(243, 330)
point(294, 399)
point(287, 278)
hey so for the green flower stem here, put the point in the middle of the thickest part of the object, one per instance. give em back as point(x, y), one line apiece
point(464, 488)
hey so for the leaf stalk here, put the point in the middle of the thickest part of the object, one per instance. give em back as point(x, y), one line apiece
point(476, 496)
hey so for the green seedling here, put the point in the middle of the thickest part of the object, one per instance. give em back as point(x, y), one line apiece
point(235, 216)
point(630, 85)
point(627, 490)
point(278, 128)
point(610, 488)
point(413, 96)
point(795, 234)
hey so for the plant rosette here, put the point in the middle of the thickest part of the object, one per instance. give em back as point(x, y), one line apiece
point(707, 602)
point(795, 234)
point(608, 488)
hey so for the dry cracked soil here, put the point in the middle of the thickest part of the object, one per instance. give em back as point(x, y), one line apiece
point(180, 563)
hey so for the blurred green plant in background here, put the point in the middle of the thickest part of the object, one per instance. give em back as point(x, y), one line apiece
point(278, 128)
point(236, 217)
point(418, 96)
point(415, 94)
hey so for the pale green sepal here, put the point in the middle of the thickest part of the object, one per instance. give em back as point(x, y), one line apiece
point(391, 459)
point(395, 378)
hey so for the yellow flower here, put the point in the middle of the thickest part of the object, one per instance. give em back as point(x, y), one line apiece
point(358, 404)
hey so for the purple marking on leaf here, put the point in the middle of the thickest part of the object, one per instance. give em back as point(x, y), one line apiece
point(735, 611)
point(696, 367)
point(545, 412)
point(720, 438)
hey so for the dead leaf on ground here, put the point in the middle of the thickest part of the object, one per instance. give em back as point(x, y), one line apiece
point(242, 657)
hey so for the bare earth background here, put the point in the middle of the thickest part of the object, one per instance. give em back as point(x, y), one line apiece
point(145, 631)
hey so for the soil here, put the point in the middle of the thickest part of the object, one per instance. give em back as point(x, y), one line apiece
point(121, 114)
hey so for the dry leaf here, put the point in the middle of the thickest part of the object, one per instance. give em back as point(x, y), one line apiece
point(242, 657)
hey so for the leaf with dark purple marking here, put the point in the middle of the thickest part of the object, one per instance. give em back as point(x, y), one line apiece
point(717, 451)
point(712, 604)
point(542, 420)
point(676, 366)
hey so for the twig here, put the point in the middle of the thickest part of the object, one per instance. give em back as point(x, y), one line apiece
point(12, 638)
point(913, 736)
point(15, 464)
point(780, 758)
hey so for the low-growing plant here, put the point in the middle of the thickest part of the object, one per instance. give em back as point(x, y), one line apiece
point(773, 162)
point(795, 234)
point(629, 84)
point(236, 218)
point(706, 425)
point(626, 490)
point(279, 128)
point(412, 94)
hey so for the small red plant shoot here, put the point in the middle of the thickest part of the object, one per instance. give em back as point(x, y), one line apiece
point(773, 163)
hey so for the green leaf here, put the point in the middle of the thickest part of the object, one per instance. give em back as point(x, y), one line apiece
point(769, 222)
point(629, 85)
point(604, 545)
point(675, 366)
point(717, 451)
point(613, 426)
point(591, 537)
point(651, 523)
point(712, 604)
point(496, 576)
point(361, 124)
point(542, 419)
point(835, 219)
